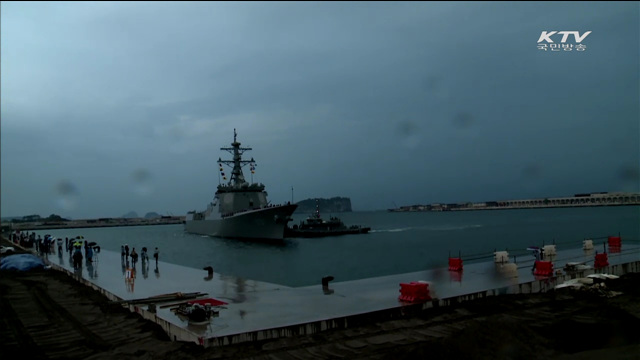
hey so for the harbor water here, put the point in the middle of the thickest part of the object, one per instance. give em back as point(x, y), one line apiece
point(398, 242)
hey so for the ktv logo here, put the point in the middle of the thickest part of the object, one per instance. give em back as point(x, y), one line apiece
point(546, 36)
point(545, 41)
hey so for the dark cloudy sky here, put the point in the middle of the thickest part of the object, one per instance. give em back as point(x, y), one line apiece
point(112, 107)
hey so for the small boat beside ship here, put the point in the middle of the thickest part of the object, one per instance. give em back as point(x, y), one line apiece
point(315, 226)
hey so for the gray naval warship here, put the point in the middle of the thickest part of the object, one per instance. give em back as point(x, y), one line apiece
point(240, 210)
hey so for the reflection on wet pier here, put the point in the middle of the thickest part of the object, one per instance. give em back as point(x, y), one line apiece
point(258, 310)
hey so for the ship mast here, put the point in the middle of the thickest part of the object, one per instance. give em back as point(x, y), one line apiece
point(237, 178)
point(317, 213)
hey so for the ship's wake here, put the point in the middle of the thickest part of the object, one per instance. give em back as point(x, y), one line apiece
point(429, 228)
point(391, 230)
point(453, 227)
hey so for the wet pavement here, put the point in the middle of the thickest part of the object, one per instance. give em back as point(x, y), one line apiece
point(255, 305)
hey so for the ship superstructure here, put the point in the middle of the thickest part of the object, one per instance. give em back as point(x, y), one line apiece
point(240, 209)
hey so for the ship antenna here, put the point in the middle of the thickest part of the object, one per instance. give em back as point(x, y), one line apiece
point(236, 178)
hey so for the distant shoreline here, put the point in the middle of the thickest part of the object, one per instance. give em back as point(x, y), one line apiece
point(79, 224)
point(578, 200)
point(513, 207)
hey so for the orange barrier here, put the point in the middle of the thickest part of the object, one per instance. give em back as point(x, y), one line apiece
point(543, 268)
point(615, 241)
point(601, 261)
point(455, 264)
point(414, 292)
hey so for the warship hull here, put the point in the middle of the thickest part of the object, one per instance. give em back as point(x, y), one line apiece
point(264, 224)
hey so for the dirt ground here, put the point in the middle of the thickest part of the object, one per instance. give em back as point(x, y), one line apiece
point(48, 315)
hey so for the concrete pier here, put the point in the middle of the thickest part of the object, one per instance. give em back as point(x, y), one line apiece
point(259, 310)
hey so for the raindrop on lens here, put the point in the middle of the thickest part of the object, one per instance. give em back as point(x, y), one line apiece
point(67, 195)
point(462, 120)
point(141, 179)
point(408, 130)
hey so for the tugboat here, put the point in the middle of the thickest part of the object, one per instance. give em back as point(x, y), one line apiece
point(315, 226)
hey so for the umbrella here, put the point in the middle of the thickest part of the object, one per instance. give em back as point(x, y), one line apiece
point(77, 243)
point(93, 243)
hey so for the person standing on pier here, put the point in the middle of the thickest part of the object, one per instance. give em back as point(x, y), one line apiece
point(134, 257)
point(89, 253)
point(155, 255)
point(126, 250)
point(77, 258)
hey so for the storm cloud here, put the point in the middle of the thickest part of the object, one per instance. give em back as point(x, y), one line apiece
point(112, 107)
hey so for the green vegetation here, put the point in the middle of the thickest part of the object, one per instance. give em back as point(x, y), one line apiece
point(35, 218)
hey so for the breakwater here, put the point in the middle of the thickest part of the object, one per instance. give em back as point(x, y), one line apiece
point(578, 200)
